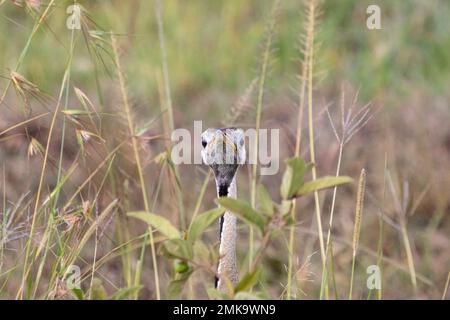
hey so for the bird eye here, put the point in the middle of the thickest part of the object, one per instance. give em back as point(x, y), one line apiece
point(204, 143)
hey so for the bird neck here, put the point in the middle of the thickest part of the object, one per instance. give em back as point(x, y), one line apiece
point(227, 248)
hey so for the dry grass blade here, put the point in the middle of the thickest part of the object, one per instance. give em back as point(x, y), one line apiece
point(242, 106)
point(26, 267)
point(259, 106)
point(23, 123)
point(357, 224)
point(90, 231)
point(134, 141)
point(401, 208)
point(444, 294)
point(36, 27)
point(306, 49)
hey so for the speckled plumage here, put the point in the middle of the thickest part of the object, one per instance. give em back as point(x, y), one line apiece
point(224, 150)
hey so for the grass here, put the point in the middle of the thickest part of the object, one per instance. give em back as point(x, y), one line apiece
point(357, 225)
point(85, 139)
point(132, 133)
point(259, 105)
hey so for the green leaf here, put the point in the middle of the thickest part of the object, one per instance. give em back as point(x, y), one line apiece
point(243, 210)
point(285, 207)
point(248, 281)
point(203, 221)
point(177, 249)
point(124, 293)
point(322, 183)
point(78, 293)
point(246, 296)
point(264, 200)
point(158, 222)
point(98, 291)
point(176, 286)
point(214, 294)
point(202, 254)
point(293, 177)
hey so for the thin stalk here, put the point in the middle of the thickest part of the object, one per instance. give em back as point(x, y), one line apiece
point(63, 129)
point(4, 216)
point(94, 262)
point(381, 233)
point(26, 268)
point(27, 45)
point(259, 105)
point(312, 8)
point(350, 294)
point(357, 225)
point(23, 123)
point(137, 158)
point(200, 198)
point(409, 255)
point(444, 294)
point(297, 154)
point(168, 105)
point(324, 285)
point(47, 240)
point(333, 274)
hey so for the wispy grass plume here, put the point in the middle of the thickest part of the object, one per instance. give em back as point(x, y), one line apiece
point(134, 141)
point(265, 61)
point(357, 224)
point(306, 49)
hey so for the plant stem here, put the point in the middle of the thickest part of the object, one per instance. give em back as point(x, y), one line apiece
point(324, 284)
point(297, 154)
point(26, 268)
point(259, 105)
point(137, 158)
point(350, 294)
point(168, 106)
point(27, 45)
point(357, 224)
point(409, 255)
point(311, 130)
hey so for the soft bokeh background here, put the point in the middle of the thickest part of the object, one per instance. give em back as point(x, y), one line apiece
point(214, 49)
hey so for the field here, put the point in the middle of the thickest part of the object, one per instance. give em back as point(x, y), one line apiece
point(94, 207)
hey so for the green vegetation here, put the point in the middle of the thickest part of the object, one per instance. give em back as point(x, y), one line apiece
point(87, 179)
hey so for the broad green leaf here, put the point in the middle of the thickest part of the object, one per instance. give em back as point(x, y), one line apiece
point(202, 254)
point(203, 221)
point(78, 293)
point(158, 222)
point(264, 200)
point(178, 249)
point(248, 281)
point(293, 177)
point(285, 207)
point(214, 294)
point(176, 286)
point(322, 183)
point(243, 210)
point(125, 293)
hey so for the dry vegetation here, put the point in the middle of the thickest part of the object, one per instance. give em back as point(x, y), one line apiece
point(85, 147)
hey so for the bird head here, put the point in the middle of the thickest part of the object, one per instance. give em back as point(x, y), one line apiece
point(223, 150)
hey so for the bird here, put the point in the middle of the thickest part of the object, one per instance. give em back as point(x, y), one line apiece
point(224, 151)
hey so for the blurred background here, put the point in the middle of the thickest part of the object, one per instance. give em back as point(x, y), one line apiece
point(213, 55)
